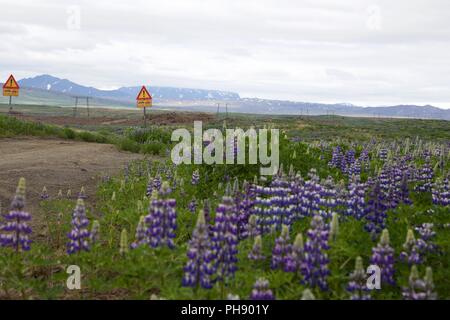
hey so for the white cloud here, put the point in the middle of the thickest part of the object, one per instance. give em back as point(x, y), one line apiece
point(363, 52)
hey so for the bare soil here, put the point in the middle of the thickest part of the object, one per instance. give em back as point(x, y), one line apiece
point(56, 164)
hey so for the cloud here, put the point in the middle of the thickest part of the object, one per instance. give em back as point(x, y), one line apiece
point(368, 52)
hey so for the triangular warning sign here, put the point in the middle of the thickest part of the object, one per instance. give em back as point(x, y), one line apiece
point(144, 94)
point(11, 83)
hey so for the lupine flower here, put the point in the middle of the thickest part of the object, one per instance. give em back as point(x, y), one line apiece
point(252, 226)
point(161, 220)
point(334, 227)
point(383, 257)
point(308, 295)
point(281, 249)
point(199, 268)
point(441, 193)
point(356, 198)
point(82, 194)
point(15, 231)
point(256, 253)
point(225, 239)
point(425, 242)
point(123, 242)
point(195, 178)
point(419, 289)
point(411, 252)
point(141, 234)
point(79, 236)
point(44, 194)
point(425, 177)
point(60, 194)
point(192, 206)
point(95, 232)
point(315, 266)
point(375, 213)
point(261, 290)
point(294, 260)
point(357, 286)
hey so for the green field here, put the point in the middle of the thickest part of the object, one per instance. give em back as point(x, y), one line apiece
point(112, 270)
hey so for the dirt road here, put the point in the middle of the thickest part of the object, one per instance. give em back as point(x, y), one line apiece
point(57, 164)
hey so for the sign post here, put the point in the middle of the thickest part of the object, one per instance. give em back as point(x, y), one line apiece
point(11, 89)
point(144, 100)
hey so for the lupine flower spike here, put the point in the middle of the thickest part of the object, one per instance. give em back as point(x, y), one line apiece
point(44, 194)
point(420, 289)
point(95, 232)
point(357, 286)
point(199, 268)
point(383, 257)
point(256, 253)
point(123, 242)
point(308, 295)
point(15, 231)
point(79, 235)
point(261, 290)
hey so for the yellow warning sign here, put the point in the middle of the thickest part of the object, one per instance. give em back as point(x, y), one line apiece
point(11, 87)
point(144, 98)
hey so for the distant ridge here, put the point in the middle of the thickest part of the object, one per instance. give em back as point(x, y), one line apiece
point(47, 89)
point(51, 83)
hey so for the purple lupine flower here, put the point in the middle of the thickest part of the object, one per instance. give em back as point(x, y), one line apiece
point(419, 289)
point(383, 154)
point(162, 218)
point(441, 193)
point(411, 253)
point(244, 207)
point(327, 198)
point(199, 268)
point(255, 253)
point(425, 242)
point(357, 286)
point(356, 198)
point(192, 206)
point(281, 249)
point(310, 195)
point(336, 158)
point(195, 178)
point(224, 239)
point(383, 257)
point(261, 290)
point(14, 231)
point(44, 194)
point(294, 260)
point(315, 266)
point(79, 235)
point(141, 234)
point(425, 177)
point(404, 190)
point(375, 212)
point(94, 235)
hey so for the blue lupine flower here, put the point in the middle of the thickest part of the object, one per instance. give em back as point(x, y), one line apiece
point(383, 257)
point(79, 235)
point(261, 290)
point(15, 231)
point(199, 268)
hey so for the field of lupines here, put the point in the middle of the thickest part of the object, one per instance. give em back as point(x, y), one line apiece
point(222, 232)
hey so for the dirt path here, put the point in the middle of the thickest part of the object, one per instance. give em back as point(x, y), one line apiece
point(57, 164)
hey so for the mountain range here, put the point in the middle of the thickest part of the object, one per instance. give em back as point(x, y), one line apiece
point(50, 90)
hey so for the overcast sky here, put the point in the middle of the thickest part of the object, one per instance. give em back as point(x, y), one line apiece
point(377, 52)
